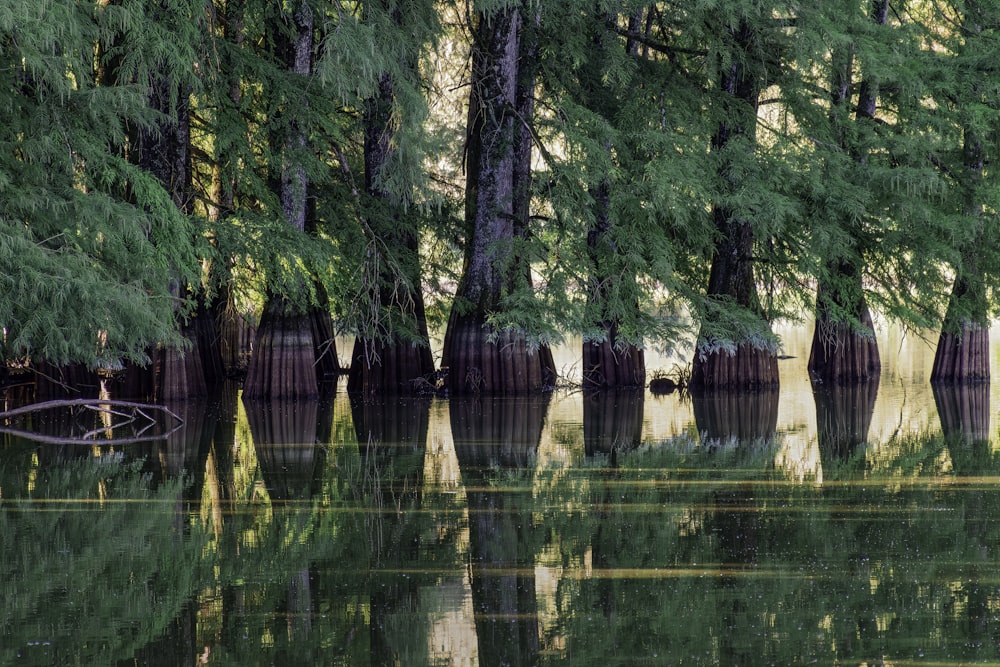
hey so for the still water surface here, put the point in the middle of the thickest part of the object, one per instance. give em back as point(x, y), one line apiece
point(849, 527)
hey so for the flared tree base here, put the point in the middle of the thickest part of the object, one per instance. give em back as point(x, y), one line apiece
point(236, 335)
point(179, 374)
point(293, 354)
point(606, 366)
point(501, 363)
point(748, 367)
point(963, 357)
point(398, 367)
point(841, 355)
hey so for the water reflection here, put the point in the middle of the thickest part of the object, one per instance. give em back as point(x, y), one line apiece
point(89, 579)
point(964, 411)
point(843, 417)
point(612, 420)
point(496, 440)
point(286, 438)
point(428, 532)
point(726, 418)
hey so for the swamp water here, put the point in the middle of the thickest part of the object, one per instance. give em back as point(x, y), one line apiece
point(851, 527)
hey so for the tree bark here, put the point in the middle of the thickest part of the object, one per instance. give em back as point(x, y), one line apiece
point(608, 363)
point(747, 363)
point(844, 349)
point(962, 354)
point(480, 360)
point(393, 363)
point(295, 348)
point(843, 352)
point(483, 362)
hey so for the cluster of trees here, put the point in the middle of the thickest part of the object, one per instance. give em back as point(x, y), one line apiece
point(519, 169)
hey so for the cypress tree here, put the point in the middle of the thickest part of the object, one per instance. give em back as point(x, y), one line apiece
point(481, 358)
point(610, 360)
point(747, 357)
point(962, 354)
point(164, 150)
point(294, 344)
point(870, 197)
point(89, 243)
point(844, 349)
point(392, 353)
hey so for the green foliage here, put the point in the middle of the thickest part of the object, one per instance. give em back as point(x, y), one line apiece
point(629, 165)
point(85, 267)
point(89, 577)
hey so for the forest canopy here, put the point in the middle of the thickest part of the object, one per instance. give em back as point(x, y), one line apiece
point(176, 173)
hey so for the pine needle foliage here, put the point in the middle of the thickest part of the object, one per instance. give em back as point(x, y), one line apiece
point(84, 267)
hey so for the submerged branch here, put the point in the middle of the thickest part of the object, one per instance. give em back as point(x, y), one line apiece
point(128, 410)
point(104, 405)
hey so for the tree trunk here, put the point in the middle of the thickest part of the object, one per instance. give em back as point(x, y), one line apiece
point(290, 359)
point(607, 363)
point(295, 348)
point(294, 181)
point(483, 362)
point(393, 367)
point(394, 362)
point(480, 360)
point(962, 354)
point(234, 343)
point(844, 349)
point(751, 360)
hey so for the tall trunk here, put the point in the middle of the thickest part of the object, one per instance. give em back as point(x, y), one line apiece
point(233, 342)
point(747, 362)
point(844, 349)
point(962, 354)
point(392, 363)
point(294, 181)
point(165, 152)
point(843, 352)
point(480, 360)
point(294, 350)
point(608, 362)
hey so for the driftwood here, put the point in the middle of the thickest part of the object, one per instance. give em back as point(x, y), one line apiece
point(132, 414)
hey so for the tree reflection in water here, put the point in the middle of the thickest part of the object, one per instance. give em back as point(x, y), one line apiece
point(392, 441)
point(843, 417)
point(964, 411)
point(728, 418)
point(612, 420)
point(324, 538)
point(496, 440)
